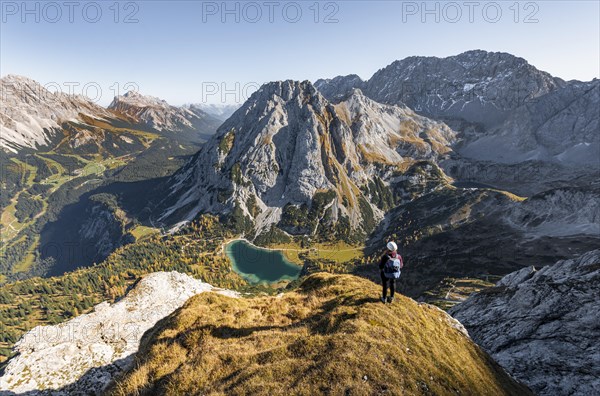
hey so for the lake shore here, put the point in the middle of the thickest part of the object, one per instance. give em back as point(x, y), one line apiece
point(260, 265)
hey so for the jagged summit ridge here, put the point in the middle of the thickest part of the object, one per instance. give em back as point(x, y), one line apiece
point(506, 110)
point(157, 114)
point(31, 116)
point(477, 86)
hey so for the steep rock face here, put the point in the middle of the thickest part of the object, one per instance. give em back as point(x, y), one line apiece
point(330, 336)
point(82, 355)
point(393, 133)
point(104, 229)
point(525, 178)
point(559, 212)
point(160, 116)
point(288, 143)
point(506, 111)
point(31, 116)
point(562, 126)
point(477, 86)
point(542, 326)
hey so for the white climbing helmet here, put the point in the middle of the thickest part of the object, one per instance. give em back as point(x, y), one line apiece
point(392, 247)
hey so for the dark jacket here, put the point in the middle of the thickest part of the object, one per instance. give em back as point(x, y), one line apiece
point(386, 257)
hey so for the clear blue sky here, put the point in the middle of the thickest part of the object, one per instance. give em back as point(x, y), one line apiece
point(182, 50)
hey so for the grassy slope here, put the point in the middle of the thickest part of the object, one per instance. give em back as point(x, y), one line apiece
point(330, 336)
point(339, 251)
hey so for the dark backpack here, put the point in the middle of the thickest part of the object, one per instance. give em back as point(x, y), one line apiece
point(392, 267)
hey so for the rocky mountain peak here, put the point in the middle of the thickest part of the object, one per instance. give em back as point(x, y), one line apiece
point(31, 116)
point(469, 59)
point(288, 144)
point(286, 91)
point(276, 149)
point(475, 86)
point(337, 88)
point(14, 80)
point(134, 98)
point(158, 114)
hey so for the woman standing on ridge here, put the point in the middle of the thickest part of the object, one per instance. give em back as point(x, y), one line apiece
point(390, 265)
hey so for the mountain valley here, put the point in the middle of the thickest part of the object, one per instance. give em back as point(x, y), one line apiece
point(479, 166)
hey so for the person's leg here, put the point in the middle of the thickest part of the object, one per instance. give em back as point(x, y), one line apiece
point(392, 287)
point(384, 285)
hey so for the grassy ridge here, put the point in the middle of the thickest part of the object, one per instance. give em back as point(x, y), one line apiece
point(330, 336)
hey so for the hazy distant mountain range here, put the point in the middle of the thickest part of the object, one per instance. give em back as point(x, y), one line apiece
point(33, 117)
point(220, 111)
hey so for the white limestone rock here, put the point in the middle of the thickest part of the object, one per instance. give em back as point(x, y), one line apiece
point(543, 327)
point(83, 354)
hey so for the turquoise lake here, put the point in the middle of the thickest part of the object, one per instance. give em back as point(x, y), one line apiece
point(258, 265)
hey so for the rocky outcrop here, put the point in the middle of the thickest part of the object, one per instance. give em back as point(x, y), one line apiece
point(82, 355)
point(542, 326)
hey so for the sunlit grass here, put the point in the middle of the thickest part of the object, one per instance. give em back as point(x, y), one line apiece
point(141, 232)
point(11, 225)
point(330, 336)
point(338, 251)
point(25, 264)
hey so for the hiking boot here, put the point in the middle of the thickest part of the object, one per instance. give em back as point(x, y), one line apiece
point(390, 299)
point(383, 300)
